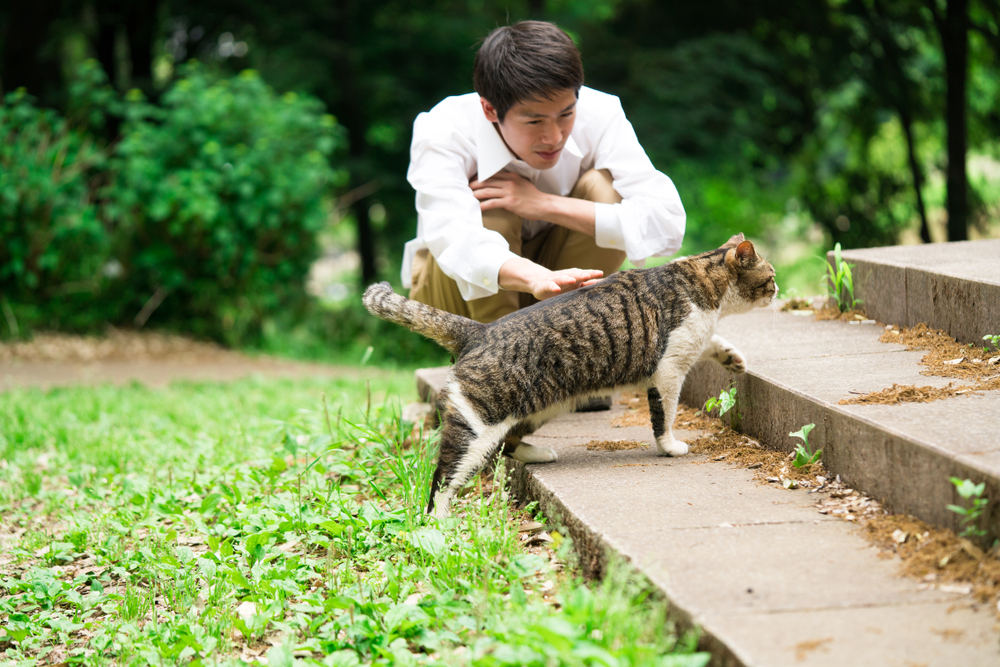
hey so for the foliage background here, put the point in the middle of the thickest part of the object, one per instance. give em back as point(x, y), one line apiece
point(799, 124)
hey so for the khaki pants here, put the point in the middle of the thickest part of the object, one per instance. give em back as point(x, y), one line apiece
point(555, 248)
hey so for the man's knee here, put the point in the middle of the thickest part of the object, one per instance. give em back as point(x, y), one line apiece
point(596, 185)
point(504, 222)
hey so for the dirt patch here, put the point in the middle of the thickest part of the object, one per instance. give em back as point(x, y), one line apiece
point(117, 345)
point(945, 357)
point(151, 358)
point(803, 649)
point(831, 313)
point(797, 303)
point(614, 445)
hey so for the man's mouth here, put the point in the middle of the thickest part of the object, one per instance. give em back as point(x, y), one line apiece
point(550, 155)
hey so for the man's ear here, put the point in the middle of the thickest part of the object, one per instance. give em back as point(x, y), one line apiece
point(491, 113)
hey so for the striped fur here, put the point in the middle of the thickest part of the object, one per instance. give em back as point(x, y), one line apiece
point(451, 332)
point(635, 329)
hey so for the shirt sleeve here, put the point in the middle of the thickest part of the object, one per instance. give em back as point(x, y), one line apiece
point(650, 219)
point(451, 222)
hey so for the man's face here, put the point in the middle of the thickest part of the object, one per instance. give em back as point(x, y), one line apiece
point(536, 131)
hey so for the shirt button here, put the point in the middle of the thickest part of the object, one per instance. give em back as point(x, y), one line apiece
point(611, 242)
point(486, 281)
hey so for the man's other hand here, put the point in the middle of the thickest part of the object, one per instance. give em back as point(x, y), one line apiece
point(518, 195)
point(513, 193)
point(522, 275)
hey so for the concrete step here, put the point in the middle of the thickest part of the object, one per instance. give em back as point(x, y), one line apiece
point(949, 286)
point(769, 581)
point(901, 455)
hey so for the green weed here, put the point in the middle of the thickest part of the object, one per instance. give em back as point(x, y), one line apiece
point(840, 284)
point(970, 515)
point(991, 339)
point(724, 402)
point(803, 455)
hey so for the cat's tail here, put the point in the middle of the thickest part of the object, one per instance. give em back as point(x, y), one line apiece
point(452, 332)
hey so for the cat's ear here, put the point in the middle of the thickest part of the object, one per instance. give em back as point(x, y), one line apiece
point(734, 240)
point(745, 253)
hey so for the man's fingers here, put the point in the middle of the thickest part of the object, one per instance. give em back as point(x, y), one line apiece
point(581, 275)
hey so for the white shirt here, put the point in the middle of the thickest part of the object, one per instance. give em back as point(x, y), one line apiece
point(454, 142)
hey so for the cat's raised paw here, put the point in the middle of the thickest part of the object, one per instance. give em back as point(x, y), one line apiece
point(530, 454)
point(671, 447)
point(733, 361)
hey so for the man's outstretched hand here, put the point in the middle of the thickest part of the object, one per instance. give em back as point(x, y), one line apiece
point(523, 275)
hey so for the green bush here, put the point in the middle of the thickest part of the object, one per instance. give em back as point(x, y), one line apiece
point(218, 194)
point(53, 245)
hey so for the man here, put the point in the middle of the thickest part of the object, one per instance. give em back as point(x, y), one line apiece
point(531, 187)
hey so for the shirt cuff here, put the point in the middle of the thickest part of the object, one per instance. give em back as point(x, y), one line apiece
point(487, 275)
point(608, 227)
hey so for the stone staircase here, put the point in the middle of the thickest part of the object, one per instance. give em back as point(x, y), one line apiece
point(902, 455)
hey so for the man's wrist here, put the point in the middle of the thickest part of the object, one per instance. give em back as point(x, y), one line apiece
point(576, 214)
point(516, 274)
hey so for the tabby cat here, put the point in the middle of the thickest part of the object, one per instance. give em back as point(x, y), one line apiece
point(641, 329)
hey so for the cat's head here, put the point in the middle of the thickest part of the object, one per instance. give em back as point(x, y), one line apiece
point(752, 275)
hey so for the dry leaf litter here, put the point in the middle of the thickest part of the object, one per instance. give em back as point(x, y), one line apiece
point(945, 357)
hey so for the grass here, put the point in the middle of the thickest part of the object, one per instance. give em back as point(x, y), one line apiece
point(281, 520)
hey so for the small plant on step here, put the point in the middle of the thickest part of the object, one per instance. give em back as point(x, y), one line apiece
point(992, 339)
point(970, 515)
point(803, 456)
point(841, 280)
point(725, 401)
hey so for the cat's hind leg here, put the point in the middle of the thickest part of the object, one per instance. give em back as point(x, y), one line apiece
point(522, 451)
point(466, 445)
point(722, 352)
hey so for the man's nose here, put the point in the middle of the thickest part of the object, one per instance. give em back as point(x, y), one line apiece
point(551, 134)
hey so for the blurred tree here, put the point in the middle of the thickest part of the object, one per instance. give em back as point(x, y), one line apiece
point(30, 53)
point(136, 23)
point(952, 24)
point(890, 50)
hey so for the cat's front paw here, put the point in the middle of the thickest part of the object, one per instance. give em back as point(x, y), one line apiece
point(732, 360)
point(530, 454)
point(668, 446)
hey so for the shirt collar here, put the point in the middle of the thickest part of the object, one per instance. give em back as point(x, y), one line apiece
point(493, 154)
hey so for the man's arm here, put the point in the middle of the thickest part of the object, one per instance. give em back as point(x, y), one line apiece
point(518, 195)
point(511, 192)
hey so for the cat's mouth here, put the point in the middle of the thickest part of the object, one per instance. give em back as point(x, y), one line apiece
point(767, 300)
